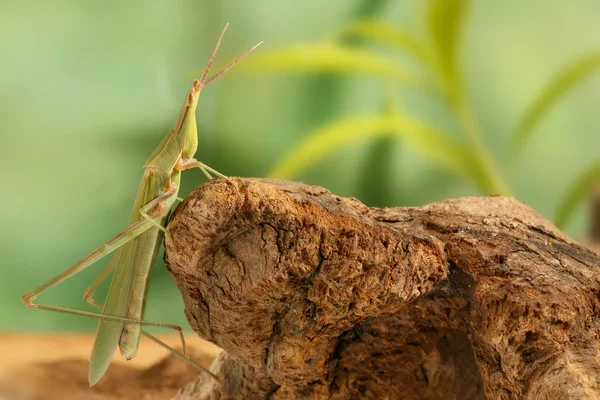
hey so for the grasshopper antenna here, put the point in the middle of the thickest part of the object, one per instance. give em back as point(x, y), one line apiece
point(212, 57)
point(227, 68)
point(203, 81)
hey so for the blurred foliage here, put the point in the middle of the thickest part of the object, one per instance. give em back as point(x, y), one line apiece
point(398, 103)
point(552, 93)
point(327, 57)
point(440, 148)
point(443, 21)
point(580, 189)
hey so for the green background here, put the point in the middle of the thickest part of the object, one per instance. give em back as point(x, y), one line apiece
point(89, 88)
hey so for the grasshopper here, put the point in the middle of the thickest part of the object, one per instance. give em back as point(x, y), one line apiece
point(121, 319)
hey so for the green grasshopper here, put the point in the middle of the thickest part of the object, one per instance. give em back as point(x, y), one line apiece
point(121, 320)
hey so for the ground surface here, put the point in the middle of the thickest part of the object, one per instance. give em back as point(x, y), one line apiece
point(55, 367)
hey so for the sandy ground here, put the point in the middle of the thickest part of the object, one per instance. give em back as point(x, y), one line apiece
point(51, 367)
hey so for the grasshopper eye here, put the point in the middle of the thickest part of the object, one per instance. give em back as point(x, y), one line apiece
point(196, 85)
point(190, 99)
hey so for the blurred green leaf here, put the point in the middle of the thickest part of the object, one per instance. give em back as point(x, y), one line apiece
point(375, 183)
point(326, 57)
point(368, 8)
point(552, 92)
point(386, 33)
point(434, 144)
point(375, 180)
point(579, 190)
point(444, 19)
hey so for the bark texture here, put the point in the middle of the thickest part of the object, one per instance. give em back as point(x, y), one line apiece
point(315, 296)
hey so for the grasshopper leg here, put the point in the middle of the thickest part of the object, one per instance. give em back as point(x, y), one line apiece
point(88, 297)
point(111, 245)
point(159, 199)
point(88, 294)
point(116, 242)
point(193, 163)
point(180, 355)
point(107, 317)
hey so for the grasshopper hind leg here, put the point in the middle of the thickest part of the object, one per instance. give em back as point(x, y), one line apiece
point(88, 294)
point(193, 163)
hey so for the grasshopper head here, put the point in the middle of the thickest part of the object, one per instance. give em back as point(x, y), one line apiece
point(188, 136)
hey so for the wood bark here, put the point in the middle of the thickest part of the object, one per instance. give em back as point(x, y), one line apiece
point(316, 296)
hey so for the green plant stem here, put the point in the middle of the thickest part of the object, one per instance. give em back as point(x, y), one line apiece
point(466, 117)
point(595, 219)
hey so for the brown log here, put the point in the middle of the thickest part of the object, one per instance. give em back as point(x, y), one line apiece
point(316, 296)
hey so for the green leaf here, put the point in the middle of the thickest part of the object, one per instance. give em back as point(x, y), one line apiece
point(552, 92)
point(435, 145)
point(375, 178)
point(388, 34)
point(579, 190)
point(444, 20)
point(369, 8)
point(327, 58)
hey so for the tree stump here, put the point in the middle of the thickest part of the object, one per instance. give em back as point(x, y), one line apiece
point(315, 296)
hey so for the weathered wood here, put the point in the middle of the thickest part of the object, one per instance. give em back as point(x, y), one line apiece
point(317, 296)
